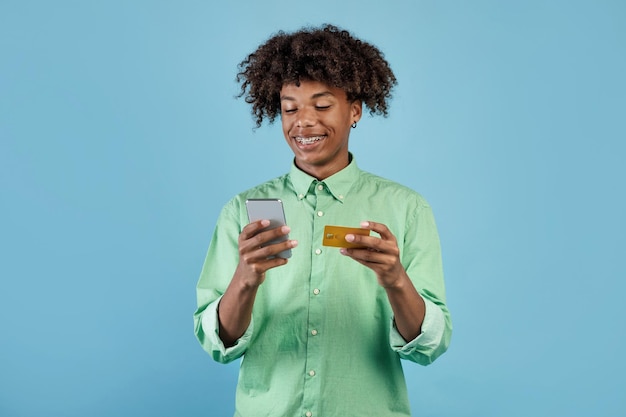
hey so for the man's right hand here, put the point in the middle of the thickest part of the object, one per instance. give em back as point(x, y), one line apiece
point(235, 308)
point(254, 251)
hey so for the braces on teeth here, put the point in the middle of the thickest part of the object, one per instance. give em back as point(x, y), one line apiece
point(306, 141)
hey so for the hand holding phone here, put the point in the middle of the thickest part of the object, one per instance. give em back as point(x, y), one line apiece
point(269, 209)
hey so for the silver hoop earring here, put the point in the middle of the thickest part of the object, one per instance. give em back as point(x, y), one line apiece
point(354, 125)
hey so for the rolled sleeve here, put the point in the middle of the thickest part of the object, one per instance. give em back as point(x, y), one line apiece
point(423, 349)
point(210, 327)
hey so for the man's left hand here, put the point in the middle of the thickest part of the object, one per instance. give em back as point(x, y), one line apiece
point(381, 254)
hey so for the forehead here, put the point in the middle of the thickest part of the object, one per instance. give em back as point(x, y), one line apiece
point(310, 90)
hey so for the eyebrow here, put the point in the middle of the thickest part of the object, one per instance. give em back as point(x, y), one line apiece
point(316, 95)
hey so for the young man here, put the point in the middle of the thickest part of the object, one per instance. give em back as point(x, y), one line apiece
point(322, 334)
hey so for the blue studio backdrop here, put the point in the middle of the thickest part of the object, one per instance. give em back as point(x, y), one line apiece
point(121, 139)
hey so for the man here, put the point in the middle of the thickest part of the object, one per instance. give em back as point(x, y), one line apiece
point(322, 334)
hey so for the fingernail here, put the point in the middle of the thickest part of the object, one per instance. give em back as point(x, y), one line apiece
point(350, 238)
point(365, 224)
point(343, 251)
point(265, 223)
point(285, 229)
point(294, 243)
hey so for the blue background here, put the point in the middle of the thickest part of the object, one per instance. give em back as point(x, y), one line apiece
point(120, 140)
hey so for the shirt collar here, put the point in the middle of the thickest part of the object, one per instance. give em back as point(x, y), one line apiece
point(338, 184)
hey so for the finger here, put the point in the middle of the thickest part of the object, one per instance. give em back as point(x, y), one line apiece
point(250, 253)
point(366, 256)
point(265, 236)
point(379, 228)
point(368, 242)
point(266, 244)
point(267, 264)
point(253, 228)
point(254, 234)
point(274, 249)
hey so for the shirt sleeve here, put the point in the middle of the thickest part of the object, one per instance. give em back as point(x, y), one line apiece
point(426, 343)
point(421, 258)
point(210, 330)
point(219, 266)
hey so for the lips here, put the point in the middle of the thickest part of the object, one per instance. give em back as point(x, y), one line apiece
point(307, 140)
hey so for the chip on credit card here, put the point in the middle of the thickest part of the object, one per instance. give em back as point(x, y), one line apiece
point(336, 236)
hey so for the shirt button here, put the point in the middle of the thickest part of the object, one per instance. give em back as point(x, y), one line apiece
point(300, 196)
point(318, 251)
point(341, 196)
point(314, 332)
point(308, 414)
point(320, 187)
point(312, 373)
point(316, 291)
point(320, 213)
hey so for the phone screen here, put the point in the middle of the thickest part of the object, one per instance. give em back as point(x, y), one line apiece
point(269, 209)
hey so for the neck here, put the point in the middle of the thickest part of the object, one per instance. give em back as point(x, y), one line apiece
point(322, 172)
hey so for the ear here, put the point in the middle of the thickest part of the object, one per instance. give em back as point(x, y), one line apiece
point(357, 110)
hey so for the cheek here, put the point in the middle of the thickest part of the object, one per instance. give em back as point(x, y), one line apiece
point(340, 119)
point(286, 129)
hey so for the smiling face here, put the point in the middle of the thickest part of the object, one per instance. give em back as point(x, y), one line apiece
point(316, 121)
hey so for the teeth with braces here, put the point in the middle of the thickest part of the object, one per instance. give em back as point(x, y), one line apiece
point(308, 141)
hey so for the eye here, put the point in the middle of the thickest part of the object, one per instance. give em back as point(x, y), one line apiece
point(288, 111)
point(322, 108)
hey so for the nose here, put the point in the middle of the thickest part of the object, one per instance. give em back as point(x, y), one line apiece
point(306, 118)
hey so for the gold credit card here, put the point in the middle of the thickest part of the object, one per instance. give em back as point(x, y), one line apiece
point(336, 236)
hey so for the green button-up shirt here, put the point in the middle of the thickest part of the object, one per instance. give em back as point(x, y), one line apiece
point(322, 340)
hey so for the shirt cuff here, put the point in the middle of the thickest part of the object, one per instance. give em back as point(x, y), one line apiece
point(429, 339)
point(211, 328)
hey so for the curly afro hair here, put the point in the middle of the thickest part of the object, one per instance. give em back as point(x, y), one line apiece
point(327, 54)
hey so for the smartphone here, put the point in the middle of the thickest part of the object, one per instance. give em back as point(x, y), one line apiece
point(269, 209)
